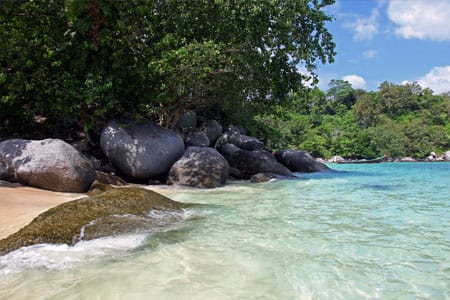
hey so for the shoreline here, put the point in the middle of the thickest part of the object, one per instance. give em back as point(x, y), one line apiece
point(20, 204)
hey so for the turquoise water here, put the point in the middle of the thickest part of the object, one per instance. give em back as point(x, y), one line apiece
point(379, 231)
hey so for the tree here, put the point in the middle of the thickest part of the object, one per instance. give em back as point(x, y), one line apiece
point(90, 60)
point(340, 92)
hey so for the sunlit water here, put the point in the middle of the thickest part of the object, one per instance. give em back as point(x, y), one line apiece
point(379, 231)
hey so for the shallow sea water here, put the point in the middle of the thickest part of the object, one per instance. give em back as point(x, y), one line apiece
point(379, 231)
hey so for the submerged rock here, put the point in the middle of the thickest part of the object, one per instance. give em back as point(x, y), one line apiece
point(103, 213)
point(264, 177)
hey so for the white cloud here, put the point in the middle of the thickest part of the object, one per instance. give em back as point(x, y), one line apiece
point(356, 81)
point(422, 19)
point(365, 28)
point(369, 54)
point(438, 79)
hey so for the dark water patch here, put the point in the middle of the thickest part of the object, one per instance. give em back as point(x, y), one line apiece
point(380, 187)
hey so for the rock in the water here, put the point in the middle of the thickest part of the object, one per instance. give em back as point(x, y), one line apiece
point(447, 156)
point(197, 138)
point(212, 129)
point(199, 167)
point(50, 164)
point(300, 161)
point(105, 213)
point(250, 163)
point(242, 141)
point(264, 177)
point(141, 149)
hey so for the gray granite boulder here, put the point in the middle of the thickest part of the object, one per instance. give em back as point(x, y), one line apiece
point(300, 161)
point(250, 163)
point(199, 167)
point(212, 129)
point(141, 149)
point(50, 164)
point(242, 141)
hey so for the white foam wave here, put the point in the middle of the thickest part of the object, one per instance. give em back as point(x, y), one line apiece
point(55, 257)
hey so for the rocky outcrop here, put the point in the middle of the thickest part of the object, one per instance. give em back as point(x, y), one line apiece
point(242, 141)
point(199, 167)
point(104, 213)
point(250, 163)
point(299, 161)
point(140, 149)
point(50, 164)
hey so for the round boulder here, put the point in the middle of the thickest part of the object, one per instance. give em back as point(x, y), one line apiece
point(141, 149)
point(212, 129)
point(199, 167)
point(299, 161)
point(250, 163)
point(50, 164)
point(242, 141)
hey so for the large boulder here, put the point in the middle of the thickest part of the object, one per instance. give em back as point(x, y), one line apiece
point(199, 167)
point(140, 149)
point(242, 141)
point(212, 129)
point(250, 163)
point(300, 161)
point(50, 164)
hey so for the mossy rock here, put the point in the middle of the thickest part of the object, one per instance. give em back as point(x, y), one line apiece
point(104, 212)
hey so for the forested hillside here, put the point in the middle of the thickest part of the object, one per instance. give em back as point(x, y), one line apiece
point(396, 120)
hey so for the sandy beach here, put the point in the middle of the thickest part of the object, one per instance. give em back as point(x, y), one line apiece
point(19, 205)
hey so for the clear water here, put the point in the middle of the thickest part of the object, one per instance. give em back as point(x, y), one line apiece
point(378, 231)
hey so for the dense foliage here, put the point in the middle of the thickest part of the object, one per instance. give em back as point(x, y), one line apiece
point(396, 120)
point(77, 63)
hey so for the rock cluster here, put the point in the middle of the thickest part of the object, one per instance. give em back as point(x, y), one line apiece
point(201, 156)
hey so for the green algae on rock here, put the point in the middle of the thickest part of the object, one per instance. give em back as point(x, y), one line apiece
point(102, 213)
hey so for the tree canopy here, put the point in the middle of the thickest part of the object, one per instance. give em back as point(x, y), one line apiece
point(397, 120)
point(77, 62)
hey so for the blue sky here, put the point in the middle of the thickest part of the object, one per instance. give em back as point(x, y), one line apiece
point(390, 40)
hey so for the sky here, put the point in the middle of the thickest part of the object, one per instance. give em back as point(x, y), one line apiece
point(390, 40)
